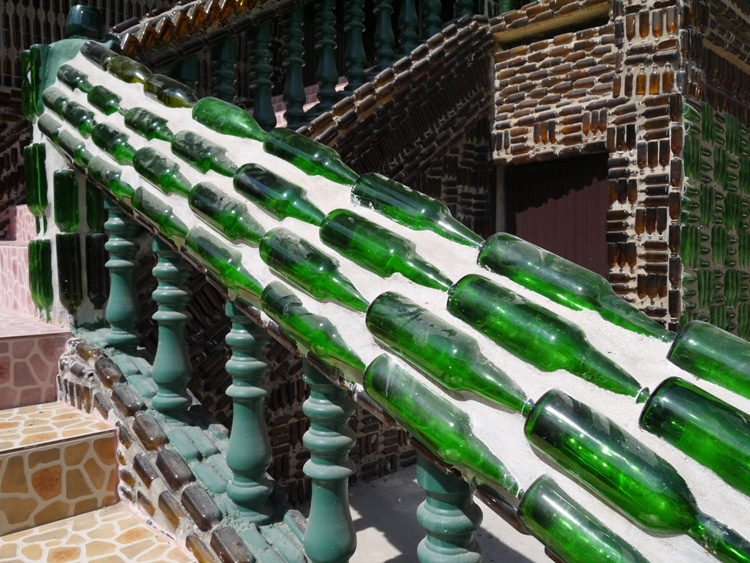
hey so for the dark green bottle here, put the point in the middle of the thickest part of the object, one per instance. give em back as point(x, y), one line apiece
point(379, 250)
point(169, 91)
point(160, 215)
point(161, 171)
point(73, 78)
point(49, 126)
point(563, 282)
point(307, 155)
point(34, 158)
point(313, 333)
point(55, 99)
point(410, 208)
point(113, 141)
point(109, 176)
point(40, 274)
point(449, 436)
point(568, 530)
point(309, 269)
point(202, 153)
point(227, 118)
point(69, 270)
point(712, 432)
point(96, 215)
point(602, 457)
point(225, 264)
point(148, 125)
point(713, 354)
point(37, 63)
point(103, 99)
point(97, 276)
point(128, 70)
point(79, 117)
point(66, 200)
point(441, 351)
point(275, 195)
point(535, 335)
point(97, 53)
point(225, 214)
point(75, 148)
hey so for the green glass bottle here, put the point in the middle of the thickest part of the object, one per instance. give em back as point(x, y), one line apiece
point(40, 274)
point(604, 458)
point(97, 277)
point(73, 78)
point(75, 148)
point(161, 171)
point(160, 215)
point(66, 201)
point(148, 125)
point(410, 208)
point(103, 99)
point(69, 270)
point(563, 282)
point(309, 269)
point(49, 126)
point(225, 214)
point(713, 354)
point(113, 141)
point(712, 432)
point(34, 158)
point(97, 53)
point(379, 250)
point(169, 91)
point(96, 215)
point(568, 530)
point(275, 195)
point(309, 156)
point(55, 99)
point(227, 118)
point(128, 70)
point(202, 153)
point(535, 335)
point(37, 70)
point(313, 333)
point(225, 264)
point(79, 117)
point(27, 90)
point(440, 350)
point(449, 436)
point(109, 176)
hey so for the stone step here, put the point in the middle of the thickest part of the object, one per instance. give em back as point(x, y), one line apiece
point(107, 535)
point(55, 462)
point(29, 351)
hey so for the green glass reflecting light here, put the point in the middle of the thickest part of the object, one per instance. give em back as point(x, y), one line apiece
point(410, 208)
point(65, 197)
point(713, 354)
point(307, 155)
point(563, 282)
point(113, 141)
point(449, 436)
point(49, 126)
point(202, 153)
point(36, 182)
point(69, 270)
point(75, 148)
point(97, 53)
point(96, 215)
point(227, 118)
point(568, 530)
point(706, 428)
point(169, 91)
point(440, 350)
point(309, 269)
point(601, 456)
point(55, 99)
point(225, 214)
point(104, 100)
point(109, 176)
point(148, 125)
point(312, 332)
point(73, 78)
point(40, 274)
point(225, 264)
point(379, 250)
point(534, 334)
point(161, 171)
point(275, 195)
point(128, 70)
point(160, 215)
point(79, 117)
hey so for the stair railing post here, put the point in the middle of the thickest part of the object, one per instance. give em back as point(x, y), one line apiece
point(448, 514)
point(122, 312)
point(294, 88)
point(260, 39)
point(431, 16)
point(355, 50)
point(223, 58)
point(172, 369)
point(330, 536)
point(408, 25)
point(249, 453)
point(385, 56)
point(326, 73)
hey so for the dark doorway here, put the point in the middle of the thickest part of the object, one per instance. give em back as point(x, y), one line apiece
point(562, 205)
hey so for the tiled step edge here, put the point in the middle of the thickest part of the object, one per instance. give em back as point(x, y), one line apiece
point(55, 462)
point(173, 472)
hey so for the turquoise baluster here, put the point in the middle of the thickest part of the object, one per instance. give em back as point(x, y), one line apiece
point(294, 88)
point(249, 453)
point(330, 535)
point(259, 38)
point(223, 59)
point(384, 37)
point(172, 369)
point(433, 23)
point(355, 50)
point(464, 8)
point(187, 71)
point(408, 24)
point(325, 43)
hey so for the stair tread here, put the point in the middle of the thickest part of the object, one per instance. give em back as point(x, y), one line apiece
point(112, 534)
point(24, 427)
